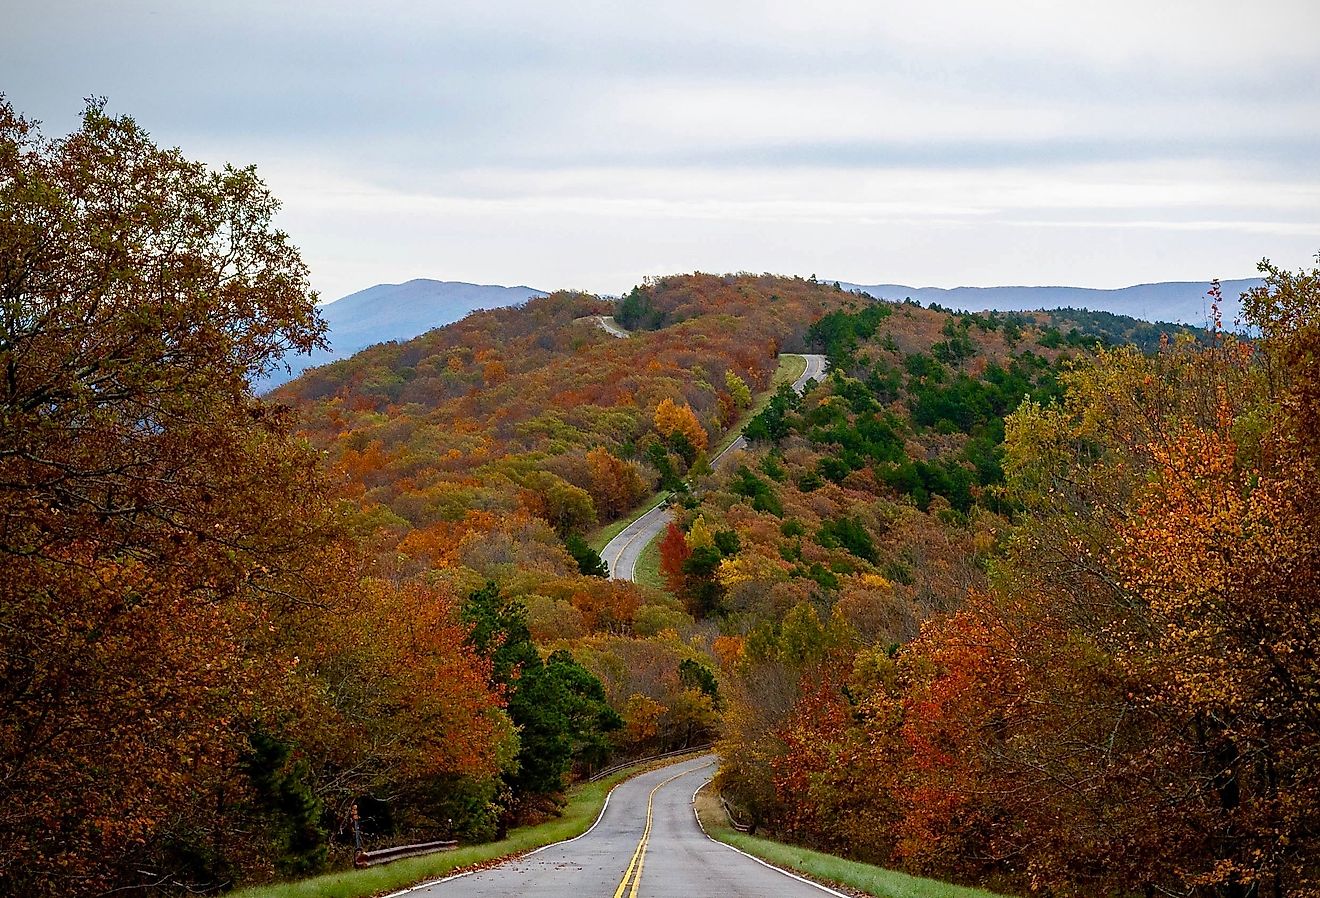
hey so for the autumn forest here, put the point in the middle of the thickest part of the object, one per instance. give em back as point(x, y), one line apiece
point(1028, 601)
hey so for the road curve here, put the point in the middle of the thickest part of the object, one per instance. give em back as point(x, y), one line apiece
point(607, 324)
point(646, 844)
point(621, 553)
point(816, 365)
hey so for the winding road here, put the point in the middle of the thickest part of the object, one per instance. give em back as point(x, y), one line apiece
point(622, 552)
point(646, 844)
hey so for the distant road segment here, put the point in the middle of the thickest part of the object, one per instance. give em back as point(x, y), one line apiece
point(621, 553)
point(610, 326)
point(816, 365)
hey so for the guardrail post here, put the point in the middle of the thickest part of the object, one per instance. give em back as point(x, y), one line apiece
point(398, 852)
point(670, 754)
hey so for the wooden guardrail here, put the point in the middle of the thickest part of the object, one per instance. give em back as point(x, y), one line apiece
point(385, 855)
point(733, 821)
point(398, 852)
point(601, 774)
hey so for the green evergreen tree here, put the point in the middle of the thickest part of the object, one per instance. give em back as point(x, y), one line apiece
point(557, 705)
point(295, 813)
point(588, 559)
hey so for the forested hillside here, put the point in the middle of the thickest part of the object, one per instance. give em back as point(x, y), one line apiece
point(459, 419)
point(1003, 599)
point(484, 453)
point(1124, 699)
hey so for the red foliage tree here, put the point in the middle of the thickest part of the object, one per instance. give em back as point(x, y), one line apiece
point(674, 552)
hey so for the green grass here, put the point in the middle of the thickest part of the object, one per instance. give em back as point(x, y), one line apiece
point(791, 367)
point(599, 539)
point(583, 807)
point(827, 868)
point(647, 572)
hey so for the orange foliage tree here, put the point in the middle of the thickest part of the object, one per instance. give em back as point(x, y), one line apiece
point(193, 670)
point(156, 518)
point(673, 418)
point(674, 553)
point(411, 701)
point(617, 486)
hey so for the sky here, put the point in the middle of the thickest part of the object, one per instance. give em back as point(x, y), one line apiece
point(588, 145)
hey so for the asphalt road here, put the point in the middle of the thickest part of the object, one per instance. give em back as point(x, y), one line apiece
point(647, 844)
point(816, 365)
point(607, 324)
point(621, 553)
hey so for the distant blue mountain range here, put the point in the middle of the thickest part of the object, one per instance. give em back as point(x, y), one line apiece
point(1182, 302)
point(403, 311)
point(396, 312)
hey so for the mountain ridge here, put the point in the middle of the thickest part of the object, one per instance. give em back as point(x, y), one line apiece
point(1184, 302)
point(401, 311)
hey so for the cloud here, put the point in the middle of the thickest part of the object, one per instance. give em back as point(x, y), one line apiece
point(573, 142)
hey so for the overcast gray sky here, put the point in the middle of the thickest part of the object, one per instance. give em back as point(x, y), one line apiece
point(588, 144)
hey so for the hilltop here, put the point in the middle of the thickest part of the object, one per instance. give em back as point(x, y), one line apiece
point(490, 454)
point(398, 312)
point(395, 312)
point(1183, 302)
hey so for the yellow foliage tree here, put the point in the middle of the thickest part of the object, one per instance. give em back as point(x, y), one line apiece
point(699, 535)
point(642, 715)
point(671, 418)
point(749, 567)
point(738, 389)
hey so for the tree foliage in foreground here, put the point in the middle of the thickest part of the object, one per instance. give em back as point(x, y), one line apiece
point(1133, 705)
point(151, 514)
point(188, 695)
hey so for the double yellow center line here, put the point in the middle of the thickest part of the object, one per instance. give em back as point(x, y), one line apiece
point(634, 872)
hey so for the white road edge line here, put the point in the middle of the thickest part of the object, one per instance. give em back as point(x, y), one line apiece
point(582, 835)
point(753, 857)
point(436, 882)
point(644, 515)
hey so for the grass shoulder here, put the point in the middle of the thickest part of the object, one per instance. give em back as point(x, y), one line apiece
point(647, 572)
point(791, 367)
point(827, 869)
point(583, 806)
point(599, 538)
